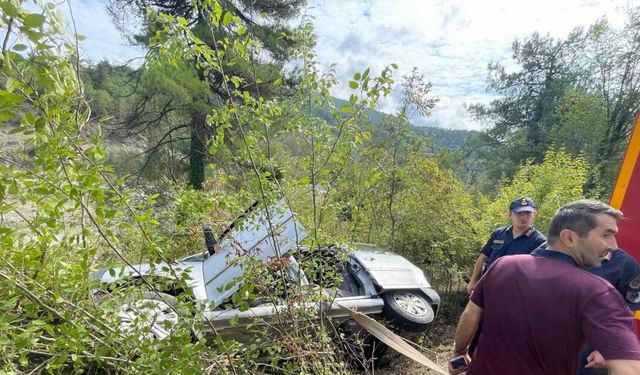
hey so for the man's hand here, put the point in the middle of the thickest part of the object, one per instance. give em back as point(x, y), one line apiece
point(470, 286)
point(467, 326)
point(596, 360)
point(454, 371)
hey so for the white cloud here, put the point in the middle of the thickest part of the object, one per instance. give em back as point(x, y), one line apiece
point(104, 41)
point(451, 42)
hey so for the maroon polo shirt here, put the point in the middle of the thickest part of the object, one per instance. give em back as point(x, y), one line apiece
point(538, 310)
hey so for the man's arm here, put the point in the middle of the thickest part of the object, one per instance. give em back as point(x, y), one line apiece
point(467, 325)
point(475, 274)
point(623, 367)
point(608, 327)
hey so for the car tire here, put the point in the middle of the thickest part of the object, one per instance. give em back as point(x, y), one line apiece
point(150, 315)
point(408, 310)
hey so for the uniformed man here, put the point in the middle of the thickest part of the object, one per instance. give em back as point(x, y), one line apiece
point(623, 272)
point(521, 237)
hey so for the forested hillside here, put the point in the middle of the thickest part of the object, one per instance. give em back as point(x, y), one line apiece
point(115, 165)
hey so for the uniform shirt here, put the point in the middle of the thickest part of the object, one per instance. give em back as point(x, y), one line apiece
point(623, 272)
point(501, 243)
point(538, 310)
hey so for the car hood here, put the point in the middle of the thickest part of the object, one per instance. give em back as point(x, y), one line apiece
point(390, 271)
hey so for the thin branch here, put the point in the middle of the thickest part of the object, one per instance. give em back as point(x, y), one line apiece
point(155, 148)
point(40, 303)
point(93, 220)
point(7, 35)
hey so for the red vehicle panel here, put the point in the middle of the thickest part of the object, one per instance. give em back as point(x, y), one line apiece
point(626, 197)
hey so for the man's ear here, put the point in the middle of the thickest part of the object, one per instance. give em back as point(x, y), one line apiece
point(568, 237)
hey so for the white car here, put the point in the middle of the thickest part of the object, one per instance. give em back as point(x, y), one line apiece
point(375, 282)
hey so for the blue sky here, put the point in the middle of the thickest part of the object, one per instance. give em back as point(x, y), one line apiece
point(450, 42)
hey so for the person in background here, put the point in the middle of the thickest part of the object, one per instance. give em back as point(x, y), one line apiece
point(538, 310)
point(521, 237)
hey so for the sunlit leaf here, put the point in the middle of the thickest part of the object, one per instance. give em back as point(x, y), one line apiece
point(33, 20)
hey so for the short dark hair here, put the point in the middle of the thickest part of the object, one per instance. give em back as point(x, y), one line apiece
point(580, 217)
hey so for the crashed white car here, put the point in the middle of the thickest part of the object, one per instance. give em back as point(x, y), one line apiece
point(375, 282)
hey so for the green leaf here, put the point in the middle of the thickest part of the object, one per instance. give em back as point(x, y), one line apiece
point(40, 125)
point(42, 46)
point(217, 12)
point(365, 75)
point(278, 81)
point(33, 20)
point(353, 85)
point(41, 190)
point(16, 130)
point(9, 98)
point(19, 47)
point(226, 20)
point(34, 36)
point(233, 322)
point(357, 76)
point(8, 8)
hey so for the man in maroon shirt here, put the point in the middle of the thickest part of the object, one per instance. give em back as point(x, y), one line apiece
point(538, 310)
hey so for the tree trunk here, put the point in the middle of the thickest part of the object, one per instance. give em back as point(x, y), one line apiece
point(197, 152)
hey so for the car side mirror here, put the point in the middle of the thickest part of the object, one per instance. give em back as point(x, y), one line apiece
point(209, 239)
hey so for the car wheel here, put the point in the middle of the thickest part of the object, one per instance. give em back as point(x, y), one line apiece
point(150, 315)
point(407, 309)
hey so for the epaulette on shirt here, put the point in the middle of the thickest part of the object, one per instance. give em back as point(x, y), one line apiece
point(530, 231)
point(503, 230)
point(499, 232)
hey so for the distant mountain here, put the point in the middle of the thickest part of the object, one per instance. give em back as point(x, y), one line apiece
point(443, 138)
point(446, 138)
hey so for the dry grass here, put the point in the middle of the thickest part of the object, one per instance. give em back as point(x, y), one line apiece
point(437, 348)
point(438, 342)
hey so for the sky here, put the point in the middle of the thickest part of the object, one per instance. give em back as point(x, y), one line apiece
point(450, 42)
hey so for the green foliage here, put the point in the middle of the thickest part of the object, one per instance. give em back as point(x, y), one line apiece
point(45, 263)
point(559, 179)
point(437, 216)
point(227, 42)
point(61, 211)
point(584, 86)
point(106, 87)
